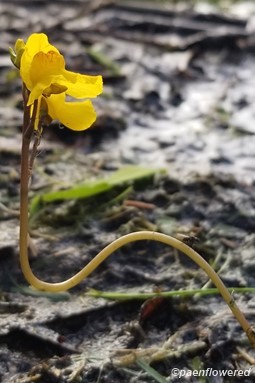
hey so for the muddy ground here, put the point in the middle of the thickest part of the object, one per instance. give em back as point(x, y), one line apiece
point(179, 95)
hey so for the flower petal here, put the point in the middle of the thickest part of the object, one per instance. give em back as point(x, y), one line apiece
point(44, 71)
point(74, 115)
point(37, 42)
point(47, 64)
point(37, 92)
point(80, 85)
point(54, 89)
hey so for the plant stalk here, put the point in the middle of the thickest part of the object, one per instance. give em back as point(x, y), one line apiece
point(28, 129)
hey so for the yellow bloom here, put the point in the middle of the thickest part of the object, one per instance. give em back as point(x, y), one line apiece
point(42, 69)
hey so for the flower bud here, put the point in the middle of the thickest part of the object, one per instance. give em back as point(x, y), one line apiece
point(17, 52)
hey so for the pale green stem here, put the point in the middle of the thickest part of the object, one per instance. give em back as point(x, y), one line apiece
point(130, 295)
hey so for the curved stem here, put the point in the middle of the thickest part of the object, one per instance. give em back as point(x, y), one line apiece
point(132, 237)
point(108, 250)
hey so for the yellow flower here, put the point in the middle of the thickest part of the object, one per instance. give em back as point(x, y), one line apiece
point(42, 69)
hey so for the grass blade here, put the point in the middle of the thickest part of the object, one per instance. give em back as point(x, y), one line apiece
point(151, 371)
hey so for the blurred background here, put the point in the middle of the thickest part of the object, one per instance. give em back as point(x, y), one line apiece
point(179, 95)
point(178, 77)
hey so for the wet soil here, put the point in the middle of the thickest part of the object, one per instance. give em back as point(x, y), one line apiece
point(179, 95)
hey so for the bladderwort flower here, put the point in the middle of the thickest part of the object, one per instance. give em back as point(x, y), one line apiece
point(46, 85)
point(42, 70)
